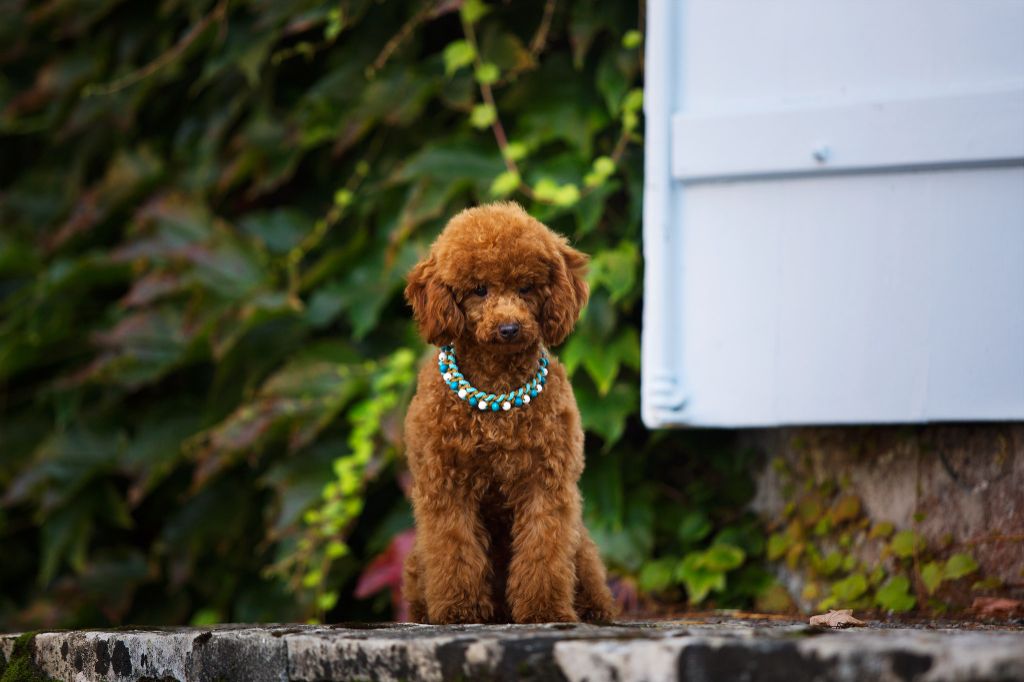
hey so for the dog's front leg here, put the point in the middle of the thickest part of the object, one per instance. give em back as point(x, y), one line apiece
point(542, 573)
point(452, 546)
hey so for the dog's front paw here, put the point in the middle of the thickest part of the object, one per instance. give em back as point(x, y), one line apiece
point(462, 613)
point(597, 614)
point(546, 616)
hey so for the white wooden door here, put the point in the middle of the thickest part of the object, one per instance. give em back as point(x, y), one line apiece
point(834, 212)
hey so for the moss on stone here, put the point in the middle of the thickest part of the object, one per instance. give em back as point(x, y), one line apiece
point(21, 667)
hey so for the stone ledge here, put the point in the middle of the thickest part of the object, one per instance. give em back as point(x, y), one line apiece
point(682, 650)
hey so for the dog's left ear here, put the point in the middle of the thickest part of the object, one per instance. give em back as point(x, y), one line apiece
point(439, 317)
point(569, 293)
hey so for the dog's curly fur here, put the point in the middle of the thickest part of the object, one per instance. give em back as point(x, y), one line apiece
point(499, 536)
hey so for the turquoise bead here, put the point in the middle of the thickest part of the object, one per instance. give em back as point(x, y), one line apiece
point(533, 393)
point(519, 402)
point(495, 407)
point(472, 401)
point(442, 366)
point(454, 385)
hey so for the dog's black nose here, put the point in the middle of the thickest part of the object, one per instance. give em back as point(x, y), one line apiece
point(508, 330)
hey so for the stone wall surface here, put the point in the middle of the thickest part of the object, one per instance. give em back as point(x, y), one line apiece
point(957, 485)
point(685, 650)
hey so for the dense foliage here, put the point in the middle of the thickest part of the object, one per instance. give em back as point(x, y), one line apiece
point(207, 212)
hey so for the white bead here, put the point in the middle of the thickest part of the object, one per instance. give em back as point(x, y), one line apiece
point(540, 388)
point(462, 393)
point(506, 405)
point(447, 376)
point(545, 370)
point(482, 405)
point(442, 357)
point(526, 398)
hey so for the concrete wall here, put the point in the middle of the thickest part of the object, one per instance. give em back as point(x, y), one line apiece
point(959, 486)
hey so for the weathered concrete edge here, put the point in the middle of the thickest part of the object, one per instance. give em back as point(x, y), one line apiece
point(908, 655)
point(593, 654)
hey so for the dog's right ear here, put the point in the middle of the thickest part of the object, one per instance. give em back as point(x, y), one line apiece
point(438, 315)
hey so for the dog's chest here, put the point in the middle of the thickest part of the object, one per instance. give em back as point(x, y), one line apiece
point(497, 448)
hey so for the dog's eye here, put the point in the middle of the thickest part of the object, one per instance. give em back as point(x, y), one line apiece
point(526, 288)
point(480, 290)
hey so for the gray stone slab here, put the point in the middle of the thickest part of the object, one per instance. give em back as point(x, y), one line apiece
point(685, 650)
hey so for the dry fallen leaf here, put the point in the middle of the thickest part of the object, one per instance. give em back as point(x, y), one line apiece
point(836, 619)
point(996, 607)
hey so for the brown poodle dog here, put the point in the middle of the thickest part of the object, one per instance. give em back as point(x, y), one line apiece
point(499, 536)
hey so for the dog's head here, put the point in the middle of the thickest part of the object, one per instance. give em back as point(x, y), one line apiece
point(501, 277)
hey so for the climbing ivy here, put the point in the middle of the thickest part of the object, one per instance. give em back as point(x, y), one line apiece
point(850, 562)
point(208, 211)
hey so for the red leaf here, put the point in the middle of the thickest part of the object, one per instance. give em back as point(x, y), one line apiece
point(385, 571)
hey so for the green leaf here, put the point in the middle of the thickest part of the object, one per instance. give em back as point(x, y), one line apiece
point(457, 54)
point(453, 163)
point(616, 270)
point(895, 595)
point(634, 101)
point(623, 528)
point(279, 230)
point(335, 23)
point(482, 116)
point(65, 536)
point(613, 82)
point(505, 184)
point(778, 545)
point(631, 39)
point(592, 208)
point(604, 165)
point(343, 198)
point(931, 576)
point(723, 558)
point(959, 565)
point(327, 601)
point(473, 10)
point(657, 576)
point(698, 578)
point(487, 73)
point(694, 527)
point(515, 151)
point(906, 544)
point(602, 362)
point(558, 107)
point(606, 415)
point(550, 191)
point(987, 584)
point(844, 509)
point(881, 530)
point(832, 562)
point(850, 589)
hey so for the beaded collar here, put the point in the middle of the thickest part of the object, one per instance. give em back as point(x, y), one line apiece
point(483, 400)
